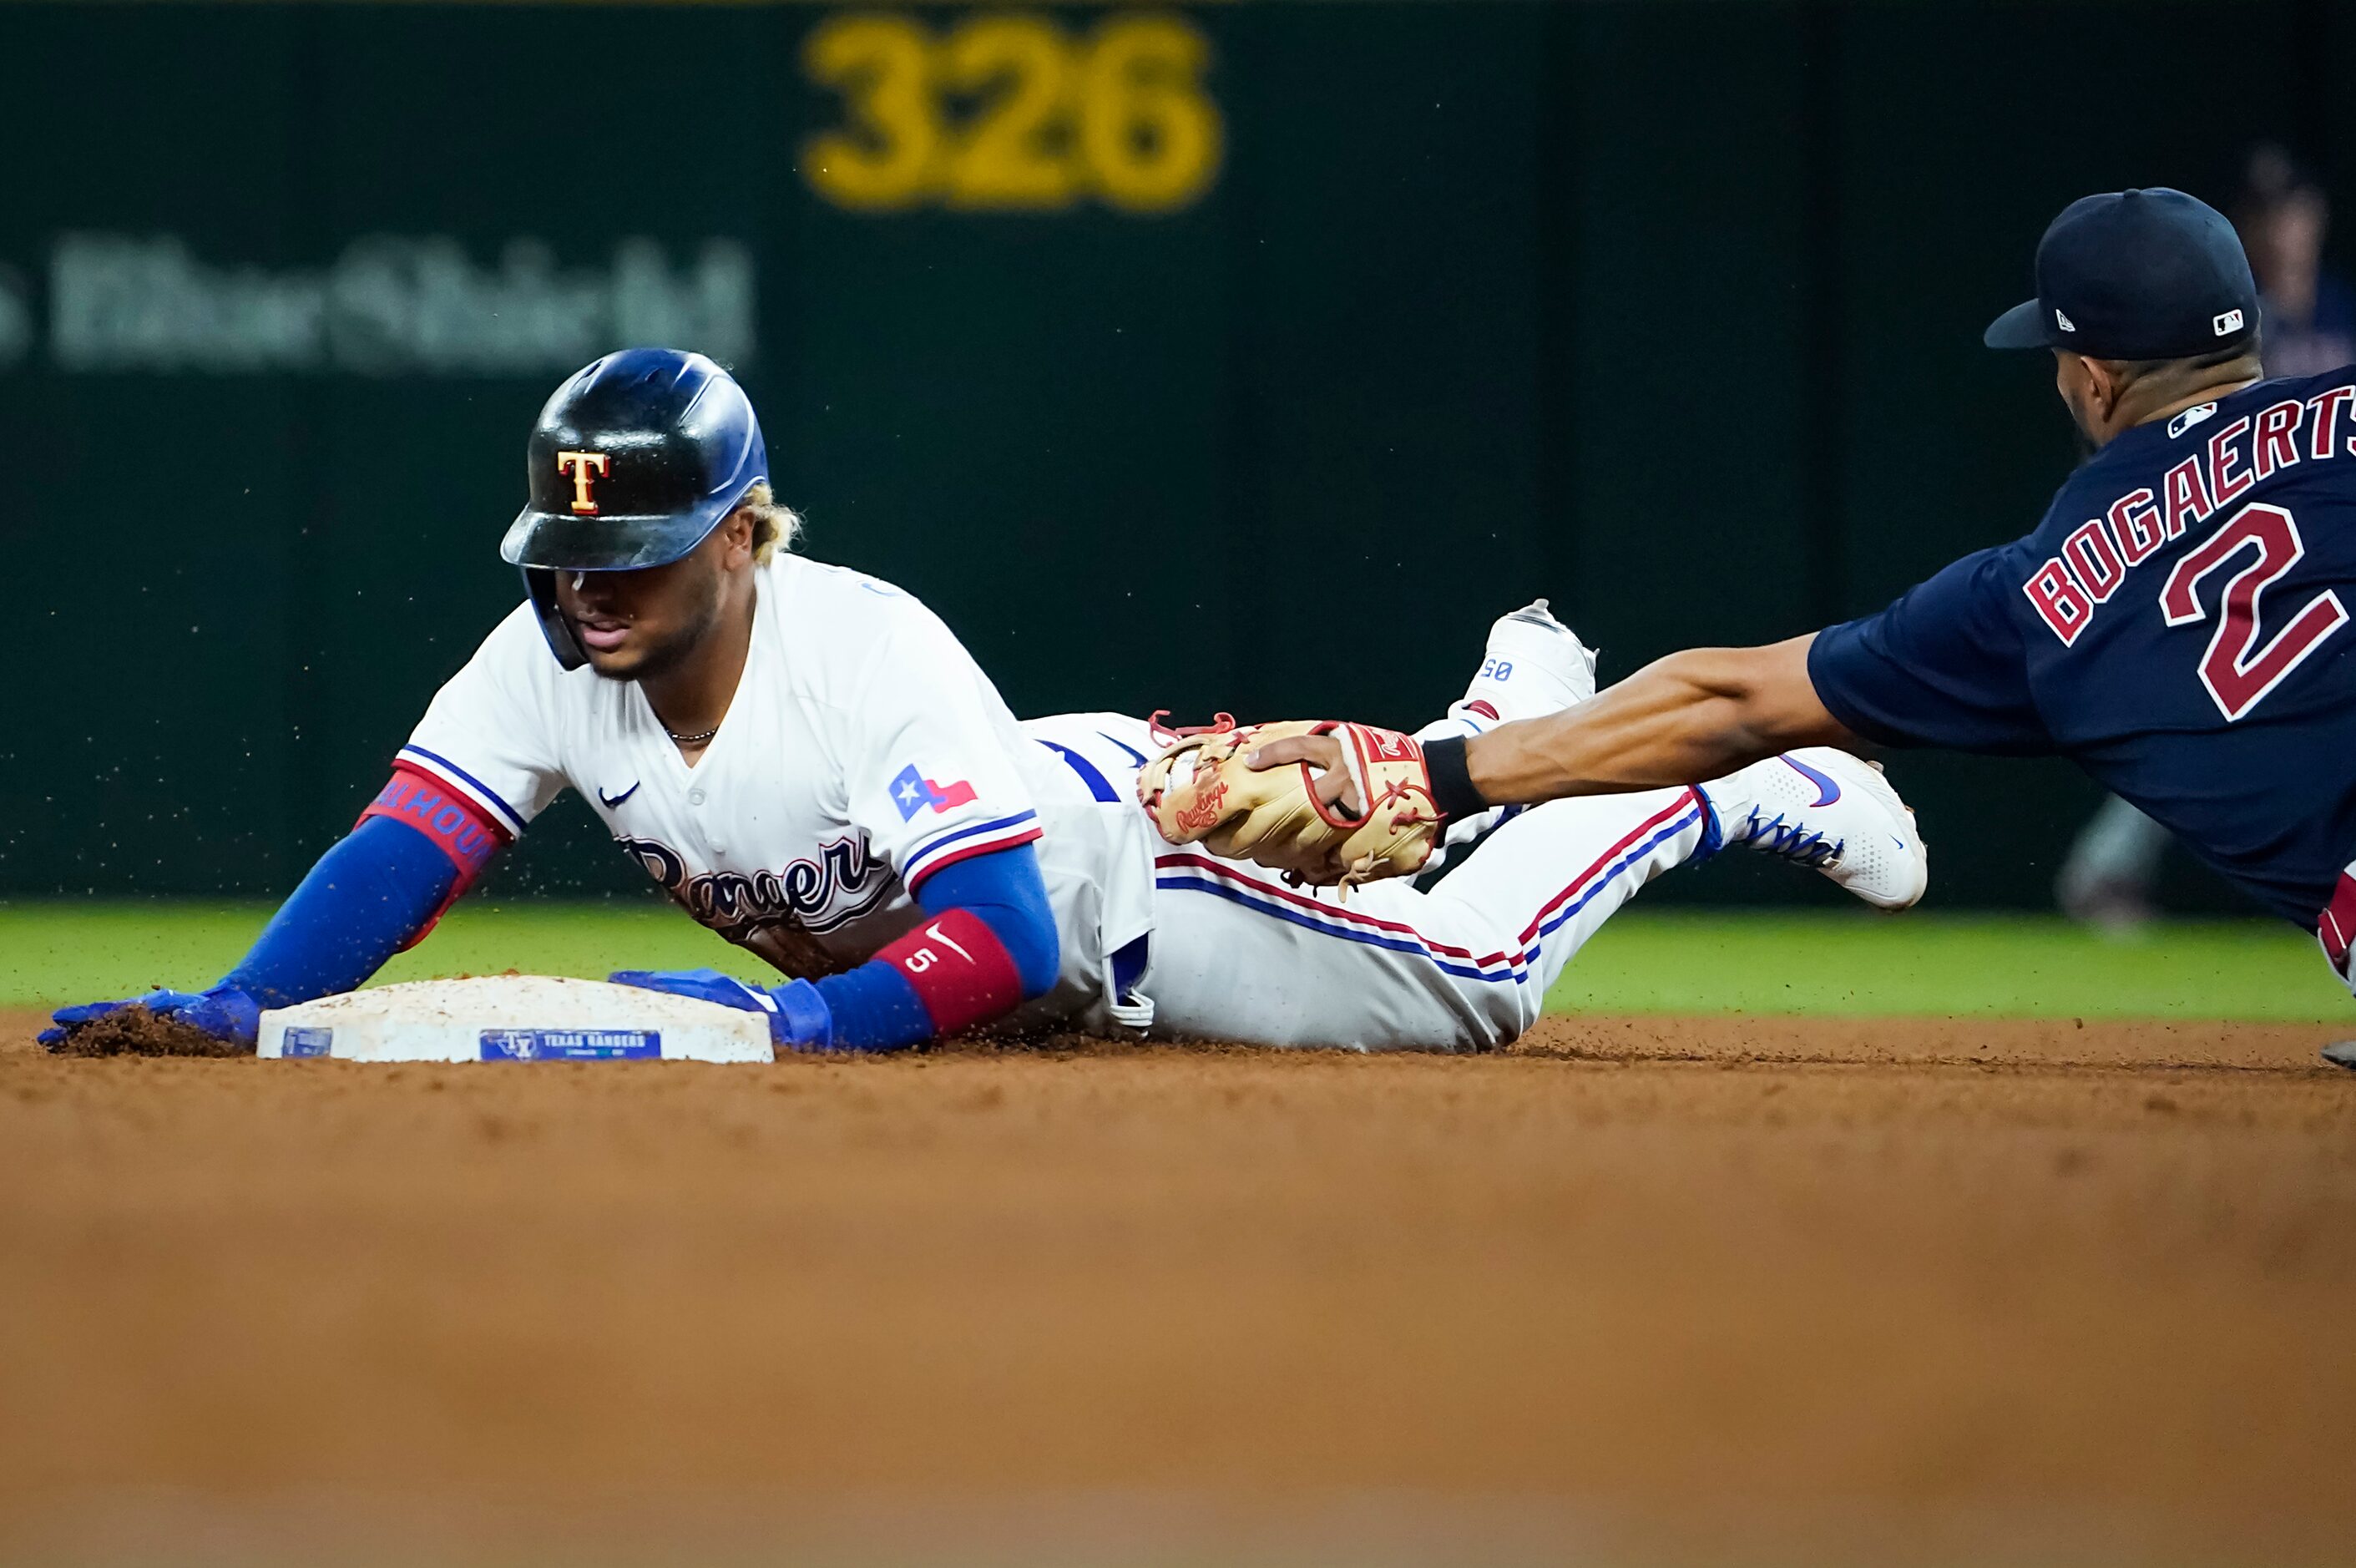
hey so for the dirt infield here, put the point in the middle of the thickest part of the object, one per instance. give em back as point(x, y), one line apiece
point(1979, 1283)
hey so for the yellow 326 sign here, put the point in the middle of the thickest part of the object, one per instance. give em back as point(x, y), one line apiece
point(1012, 112)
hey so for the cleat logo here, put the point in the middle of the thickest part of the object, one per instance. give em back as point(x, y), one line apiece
point(581, 468)
point(1828, 789)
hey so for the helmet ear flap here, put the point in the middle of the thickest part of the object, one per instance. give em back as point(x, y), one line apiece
point(539, 582)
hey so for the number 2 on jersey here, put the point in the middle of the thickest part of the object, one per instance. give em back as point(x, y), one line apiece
point(2236, 670)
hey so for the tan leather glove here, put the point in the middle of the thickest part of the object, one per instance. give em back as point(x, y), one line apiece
point(1202, 791)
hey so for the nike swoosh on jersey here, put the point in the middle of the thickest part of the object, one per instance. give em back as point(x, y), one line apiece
point(1130, 750)
point(1828, 789)
point(614, 801)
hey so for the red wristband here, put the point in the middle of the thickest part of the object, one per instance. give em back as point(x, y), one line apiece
point(959, 969)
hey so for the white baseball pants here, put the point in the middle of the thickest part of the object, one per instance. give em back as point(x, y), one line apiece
point(1237, 955)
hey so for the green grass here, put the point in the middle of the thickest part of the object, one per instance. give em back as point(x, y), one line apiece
point(1839, 963)
point(1815, 962)
point(75, 951)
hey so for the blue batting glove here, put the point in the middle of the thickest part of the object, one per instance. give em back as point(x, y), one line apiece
point(798, 1017)
point(224, 1011)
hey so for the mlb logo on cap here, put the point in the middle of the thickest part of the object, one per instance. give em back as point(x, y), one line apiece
point(2228, 324)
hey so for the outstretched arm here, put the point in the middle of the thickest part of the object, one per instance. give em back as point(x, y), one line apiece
point(378, 890)
point(1944, 665)
point(1685, 719)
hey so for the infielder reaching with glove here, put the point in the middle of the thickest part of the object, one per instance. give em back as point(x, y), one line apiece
point(2178, 625)
point(810, 764)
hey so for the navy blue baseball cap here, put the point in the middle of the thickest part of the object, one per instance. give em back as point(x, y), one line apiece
point(2135, 274)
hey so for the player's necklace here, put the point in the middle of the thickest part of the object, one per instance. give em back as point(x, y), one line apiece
point(696, 739)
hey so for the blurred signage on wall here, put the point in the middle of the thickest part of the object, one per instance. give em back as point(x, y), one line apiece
point(1012, 112)
point(389, 305)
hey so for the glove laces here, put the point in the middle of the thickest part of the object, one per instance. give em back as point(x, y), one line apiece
point(1169, 734)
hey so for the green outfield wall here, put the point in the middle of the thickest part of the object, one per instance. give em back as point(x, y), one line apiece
point(1246, 356)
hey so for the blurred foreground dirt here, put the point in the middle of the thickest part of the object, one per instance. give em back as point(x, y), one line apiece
point(2009, 1282)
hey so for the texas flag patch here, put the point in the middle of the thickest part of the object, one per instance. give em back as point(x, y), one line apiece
point(912, 792)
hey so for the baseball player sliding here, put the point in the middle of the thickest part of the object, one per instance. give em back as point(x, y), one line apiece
point(812, 765)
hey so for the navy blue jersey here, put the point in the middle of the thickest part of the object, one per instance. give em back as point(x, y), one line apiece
point(2178, 625)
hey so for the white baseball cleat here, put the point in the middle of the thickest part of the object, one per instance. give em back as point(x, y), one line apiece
point(1827, 809)
point(1534, 666)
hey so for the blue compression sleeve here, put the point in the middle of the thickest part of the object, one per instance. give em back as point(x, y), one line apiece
point(875, 1006)
point(361, 904)
point(874, 1009)
point(1006, 890)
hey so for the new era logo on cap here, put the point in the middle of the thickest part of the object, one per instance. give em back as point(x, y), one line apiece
point(2230, 322)
point(2064, 322)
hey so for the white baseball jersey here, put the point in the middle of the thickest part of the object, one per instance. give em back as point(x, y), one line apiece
point(863, 751)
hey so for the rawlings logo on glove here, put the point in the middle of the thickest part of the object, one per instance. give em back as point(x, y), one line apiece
point(1376, 820)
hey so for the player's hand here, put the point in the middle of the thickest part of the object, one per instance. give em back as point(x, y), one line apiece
point(1322, 753)
point(224, 1011)
point(797, 1014)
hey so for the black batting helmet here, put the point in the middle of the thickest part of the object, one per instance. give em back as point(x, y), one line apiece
point(635, 459)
